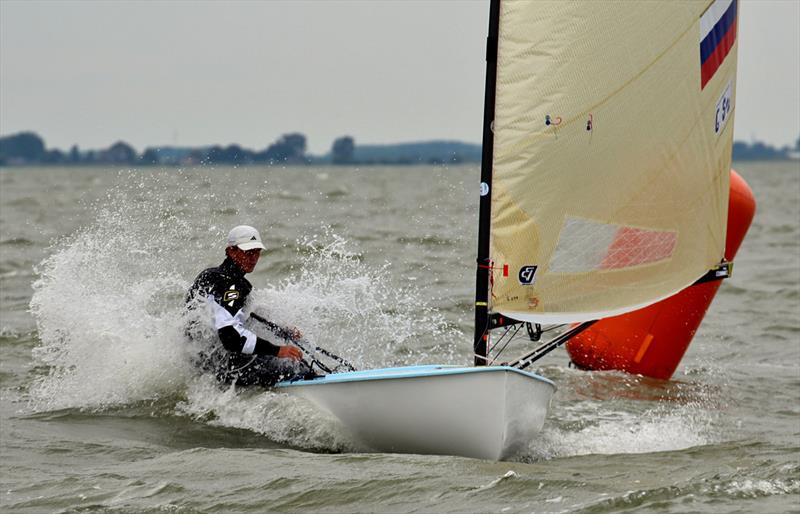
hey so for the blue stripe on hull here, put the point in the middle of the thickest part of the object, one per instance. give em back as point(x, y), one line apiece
point(407, 372)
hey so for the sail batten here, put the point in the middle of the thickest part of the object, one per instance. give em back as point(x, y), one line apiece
point(611, 150)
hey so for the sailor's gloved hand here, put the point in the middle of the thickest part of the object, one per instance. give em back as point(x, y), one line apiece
point(290, 352)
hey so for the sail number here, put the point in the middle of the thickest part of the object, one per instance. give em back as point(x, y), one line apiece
point(724, 108)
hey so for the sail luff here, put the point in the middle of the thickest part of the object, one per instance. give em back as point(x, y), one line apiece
point(483, 270)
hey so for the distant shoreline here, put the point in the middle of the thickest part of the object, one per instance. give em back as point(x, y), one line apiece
point(330, 166)
point(29, 149)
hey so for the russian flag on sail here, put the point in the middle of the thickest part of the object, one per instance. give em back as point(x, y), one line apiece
point(717, 35)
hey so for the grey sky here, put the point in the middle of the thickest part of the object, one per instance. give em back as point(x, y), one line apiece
point(196, 73)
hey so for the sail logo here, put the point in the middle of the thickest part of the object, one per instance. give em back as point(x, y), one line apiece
point(527, 275)
point(724, 108)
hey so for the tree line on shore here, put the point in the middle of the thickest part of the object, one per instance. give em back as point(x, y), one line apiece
point(28, 148)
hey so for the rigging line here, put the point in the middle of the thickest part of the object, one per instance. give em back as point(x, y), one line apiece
point(313, 356)
point(505, 333)
point(539, 352)
point(554, 327)
point(519, 326)
point(514, 336)
point(501, 350)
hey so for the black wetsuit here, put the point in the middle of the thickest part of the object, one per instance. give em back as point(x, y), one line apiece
point(244, 358)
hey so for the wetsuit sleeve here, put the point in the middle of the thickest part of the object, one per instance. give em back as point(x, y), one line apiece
point(233, 334)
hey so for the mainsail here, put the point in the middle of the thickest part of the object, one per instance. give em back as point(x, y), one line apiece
point(608, 146)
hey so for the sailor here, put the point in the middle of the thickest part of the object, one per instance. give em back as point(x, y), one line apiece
point(237, 355)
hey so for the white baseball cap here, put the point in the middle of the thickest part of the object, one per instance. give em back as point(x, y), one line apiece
point(245, 238)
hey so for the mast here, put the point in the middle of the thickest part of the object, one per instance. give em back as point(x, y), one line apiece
point(480, 341)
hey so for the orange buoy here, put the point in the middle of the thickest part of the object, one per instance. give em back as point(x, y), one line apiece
point(653, 340)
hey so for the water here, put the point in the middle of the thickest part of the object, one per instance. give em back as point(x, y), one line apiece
point(101, 410)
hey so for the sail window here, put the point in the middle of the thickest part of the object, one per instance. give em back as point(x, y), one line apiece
point(585, 245)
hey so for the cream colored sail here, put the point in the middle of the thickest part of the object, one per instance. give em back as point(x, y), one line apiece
point(612, 148)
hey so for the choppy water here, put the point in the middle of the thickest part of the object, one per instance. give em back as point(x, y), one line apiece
point(102, 412)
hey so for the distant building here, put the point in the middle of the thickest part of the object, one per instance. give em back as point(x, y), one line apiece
point(119, 153)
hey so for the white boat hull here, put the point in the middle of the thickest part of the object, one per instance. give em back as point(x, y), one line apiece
point(484, 412)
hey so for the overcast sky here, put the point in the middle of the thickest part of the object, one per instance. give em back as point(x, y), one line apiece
point(198, 73)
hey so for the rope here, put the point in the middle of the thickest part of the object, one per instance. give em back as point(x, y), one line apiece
point(310, 349)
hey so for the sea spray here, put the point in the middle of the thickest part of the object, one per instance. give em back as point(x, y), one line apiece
point(108, 301)
point(284, 419)
point(349, 307)
point(611, 412)
point(109, 308)
point(108, 311)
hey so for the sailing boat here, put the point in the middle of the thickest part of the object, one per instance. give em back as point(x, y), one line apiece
point(606, 148)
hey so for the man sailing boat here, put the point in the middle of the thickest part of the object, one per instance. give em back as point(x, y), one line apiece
point(238, 355)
